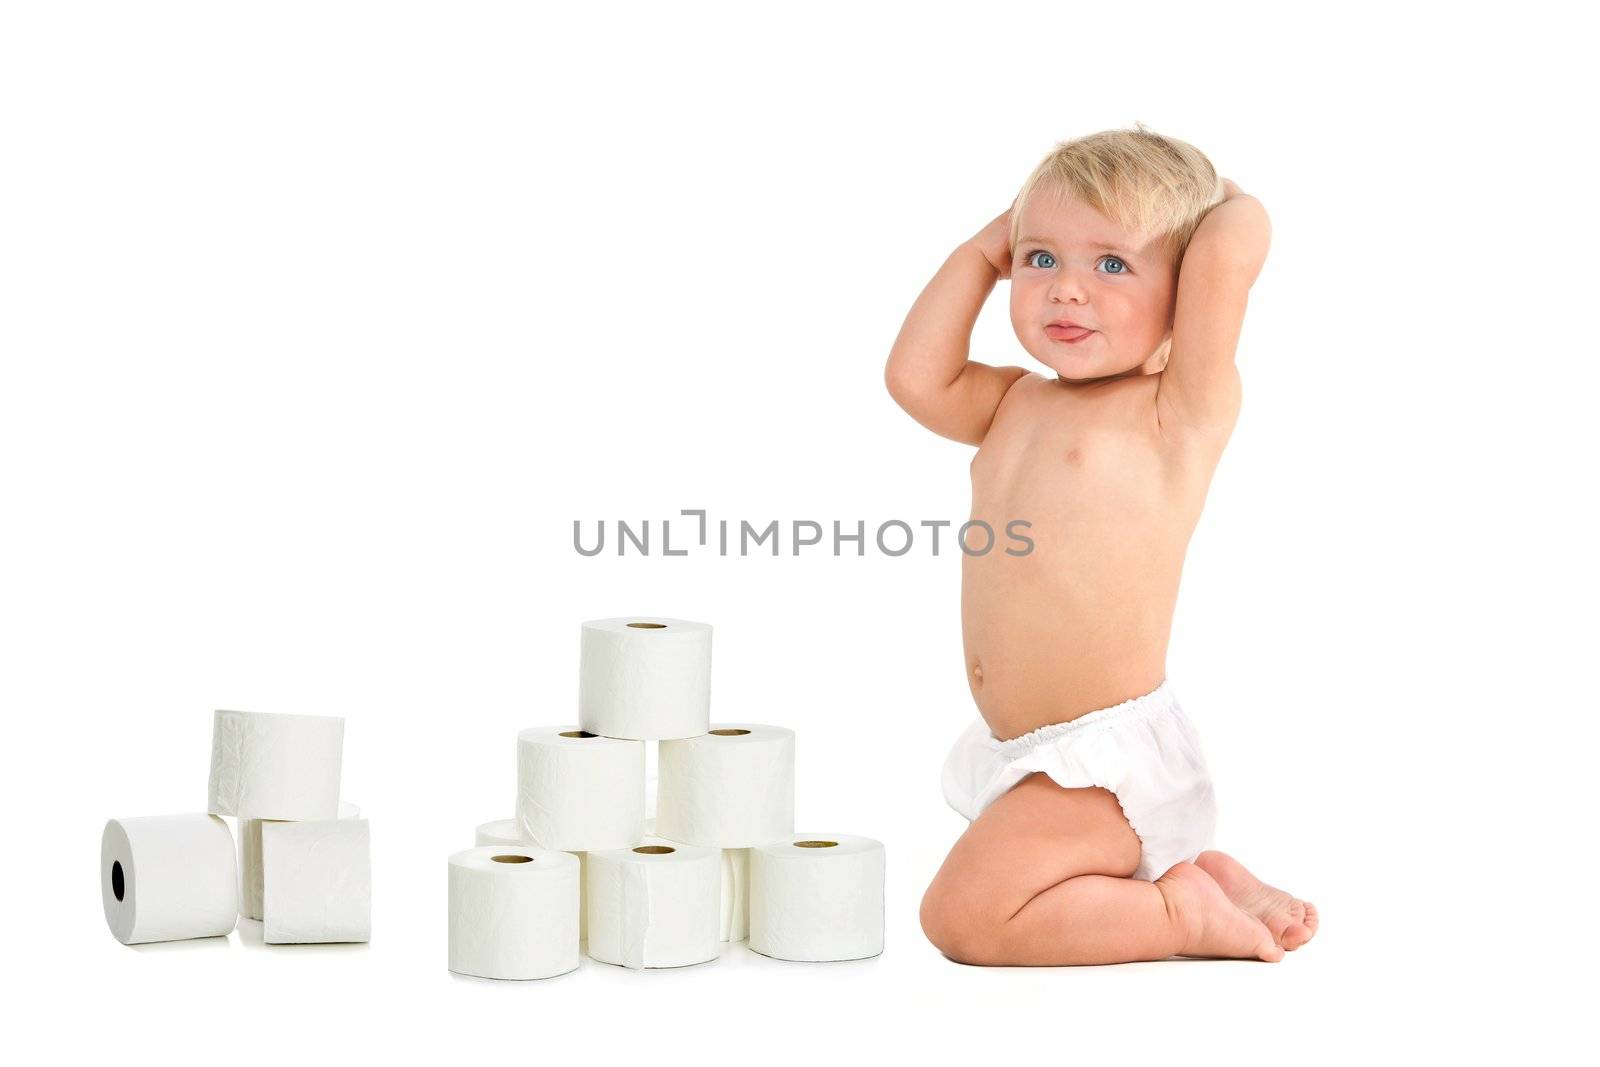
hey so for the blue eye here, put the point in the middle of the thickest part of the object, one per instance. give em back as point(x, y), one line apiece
point(1041, 252)
point(1122, 268)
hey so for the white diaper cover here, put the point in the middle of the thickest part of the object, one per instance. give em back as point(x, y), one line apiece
point(1143, 750)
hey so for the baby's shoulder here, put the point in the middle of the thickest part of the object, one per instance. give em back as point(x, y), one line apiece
point(1028, 392)
point(1026, 400)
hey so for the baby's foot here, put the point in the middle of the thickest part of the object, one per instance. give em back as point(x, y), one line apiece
point(1214, 927)
point(1292, 922)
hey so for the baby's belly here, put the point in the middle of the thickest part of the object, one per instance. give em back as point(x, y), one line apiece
point(1055, 635)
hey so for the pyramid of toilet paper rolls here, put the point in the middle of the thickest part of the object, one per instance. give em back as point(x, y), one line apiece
point(304, 865)
point(721, 863)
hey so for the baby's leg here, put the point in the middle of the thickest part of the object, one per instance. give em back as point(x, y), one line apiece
point(1041, 878)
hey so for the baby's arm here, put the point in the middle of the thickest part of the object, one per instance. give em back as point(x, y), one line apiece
point(928, 373)
point(1199, 388)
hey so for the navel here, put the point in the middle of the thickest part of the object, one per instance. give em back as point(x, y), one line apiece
point(977, 672)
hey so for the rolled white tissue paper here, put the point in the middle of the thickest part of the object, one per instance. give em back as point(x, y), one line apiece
point(513, 912)
point(275, 766)
point(645, 678)
point(500, 832)
point(817, 897)
point(654, 905)
point(250, 860)
point(509, 832)
point(583, 894)
point(577, 791)
point(316, 882)
point(731, 787)
point(168, 878)
point(734, 895)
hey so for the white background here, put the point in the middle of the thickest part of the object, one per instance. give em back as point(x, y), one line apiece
point(323, 322)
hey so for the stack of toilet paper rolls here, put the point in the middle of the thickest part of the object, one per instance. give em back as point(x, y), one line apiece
point(304, 862)
point(719, 863)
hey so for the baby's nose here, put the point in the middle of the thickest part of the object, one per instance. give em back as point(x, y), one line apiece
point(1066, 291)
point(1067, 286)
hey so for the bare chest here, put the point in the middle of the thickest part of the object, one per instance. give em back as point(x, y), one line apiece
point(1095, 456)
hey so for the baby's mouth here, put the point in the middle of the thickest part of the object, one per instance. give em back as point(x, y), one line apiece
point(1070, 334)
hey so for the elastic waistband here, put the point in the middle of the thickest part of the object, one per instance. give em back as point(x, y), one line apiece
point(1159, 699)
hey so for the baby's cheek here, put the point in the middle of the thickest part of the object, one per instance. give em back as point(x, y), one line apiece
point(1019, 316)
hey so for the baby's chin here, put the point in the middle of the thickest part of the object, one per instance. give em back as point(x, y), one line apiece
point(1085, 368)
point(1085, 364)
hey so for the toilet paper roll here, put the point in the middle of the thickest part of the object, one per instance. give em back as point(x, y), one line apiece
point(645, 678)
point(500, 832)
point(509, 832)
point(168, 878)
point(579, 792)
point(316, 882)
point(250, 860)
point(654, 905)
point(583, 894)
point(734, 892)
point(275, 766)
point(732, 787)
point(817, 897)
point(513, 912)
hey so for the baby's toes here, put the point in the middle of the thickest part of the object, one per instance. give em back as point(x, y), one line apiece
point(1301, 930)
point(1281, 917)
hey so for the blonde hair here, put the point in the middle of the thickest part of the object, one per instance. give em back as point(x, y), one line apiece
point(1154, 187)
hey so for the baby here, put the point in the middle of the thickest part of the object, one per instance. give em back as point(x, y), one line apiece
point(1090, 806)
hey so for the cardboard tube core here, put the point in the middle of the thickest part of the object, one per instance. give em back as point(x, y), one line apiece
point(648, 625)
point(654, 850)
point(729, 733)
point(117, 884)
point(512, 859)
point(577, 733)
point(816, 844)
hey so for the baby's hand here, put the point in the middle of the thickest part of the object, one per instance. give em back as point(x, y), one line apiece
point(994, 241)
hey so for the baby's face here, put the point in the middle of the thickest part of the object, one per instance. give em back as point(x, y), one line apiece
point(1072, 263)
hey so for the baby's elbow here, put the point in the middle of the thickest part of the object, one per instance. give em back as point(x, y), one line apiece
point(908, 389)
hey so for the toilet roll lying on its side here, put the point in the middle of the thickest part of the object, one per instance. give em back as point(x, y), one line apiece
point(579, 792)
point(500, 832)
point(653, 905)
point(645, 678)
point(316, 882)
point(731, 787)
point(817, 897)
point(168, 878)
point(250, 860)
point(513, 912)
point(275, 766)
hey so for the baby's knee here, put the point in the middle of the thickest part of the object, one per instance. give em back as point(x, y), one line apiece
point(957, 924)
